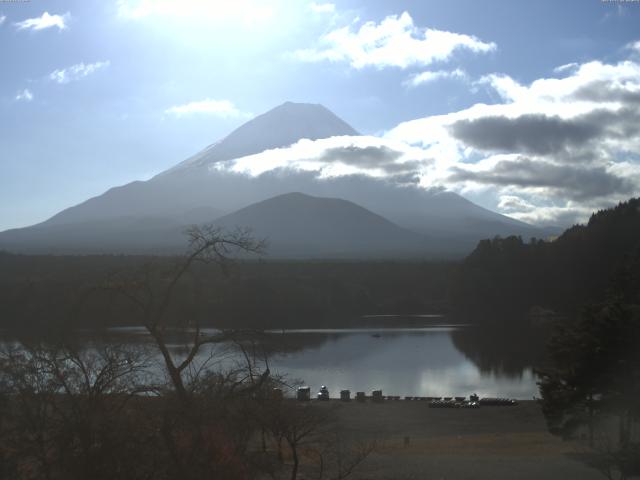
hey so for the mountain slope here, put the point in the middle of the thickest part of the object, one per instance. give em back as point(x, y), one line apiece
point(130, 235)
point(189, 185)
point(282, 126)
point(193, 192)
point(295, 225)
point(299, 225)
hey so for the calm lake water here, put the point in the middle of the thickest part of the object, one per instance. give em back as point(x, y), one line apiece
point(416, 361)
point(409, 361)
point(402, 361)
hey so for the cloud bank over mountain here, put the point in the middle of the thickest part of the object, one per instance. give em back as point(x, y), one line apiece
point(337, 156)
point(553, 150)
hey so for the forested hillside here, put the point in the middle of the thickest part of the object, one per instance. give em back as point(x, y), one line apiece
point(504, 278)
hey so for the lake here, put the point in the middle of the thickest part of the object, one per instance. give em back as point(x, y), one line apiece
point(426, 360)
point(400, 361)
point(442, 360)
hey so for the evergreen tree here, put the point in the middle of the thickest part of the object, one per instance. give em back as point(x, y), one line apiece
point(593, 383)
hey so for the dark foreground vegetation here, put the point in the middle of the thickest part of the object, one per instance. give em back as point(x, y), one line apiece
point(591, 384)
point(93, 414)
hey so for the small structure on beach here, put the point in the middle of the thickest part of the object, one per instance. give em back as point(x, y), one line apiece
point(323, 394)
point(345, 395)
point(304, 394)
point(360, 397)
point(376, 396)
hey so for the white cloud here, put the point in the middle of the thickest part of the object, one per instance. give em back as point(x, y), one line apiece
point(24, 95)
point(2, 19)
point(510, 203)
point(394, 42)
point(334, 157)
point(219, 108)
point(563, 216)
point(431, 76)
point(563, 145)
point(635, 46)
point(322, 7)
point(45, 21)
point(76, 72)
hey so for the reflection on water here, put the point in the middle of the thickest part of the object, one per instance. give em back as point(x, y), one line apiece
point(415, 362)
point(507, 352)
point(438, 360)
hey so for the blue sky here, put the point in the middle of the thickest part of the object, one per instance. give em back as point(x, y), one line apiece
point(97, 94)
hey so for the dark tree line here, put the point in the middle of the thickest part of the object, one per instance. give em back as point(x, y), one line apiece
point(503, 278)
point(41, 293)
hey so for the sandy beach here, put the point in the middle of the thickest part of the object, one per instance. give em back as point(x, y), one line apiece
point(486, 443)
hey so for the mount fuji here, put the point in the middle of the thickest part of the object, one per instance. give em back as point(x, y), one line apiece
point(355, 215)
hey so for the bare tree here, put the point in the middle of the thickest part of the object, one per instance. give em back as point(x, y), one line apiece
point(207, 244)
point(68, 407)
point(193, 425)
point(298, 425)
point(339, 456)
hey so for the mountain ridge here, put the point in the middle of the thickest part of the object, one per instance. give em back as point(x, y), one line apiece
point(300, 225)
point(296, 119)
point(192, 192)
